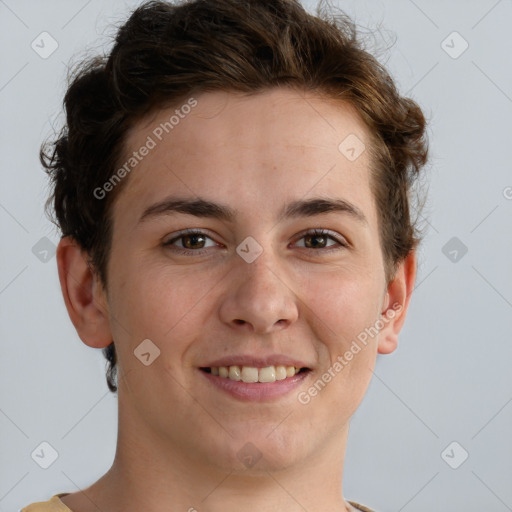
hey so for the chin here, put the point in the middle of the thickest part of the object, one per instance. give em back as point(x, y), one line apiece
point(260, 452)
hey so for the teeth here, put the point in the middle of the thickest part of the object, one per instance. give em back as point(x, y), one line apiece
point(234, 373)
point(251, 374)
point(267, 374)
point(280, 372)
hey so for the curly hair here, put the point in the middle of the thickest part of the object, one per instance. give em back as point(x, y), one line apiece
point(165, 52)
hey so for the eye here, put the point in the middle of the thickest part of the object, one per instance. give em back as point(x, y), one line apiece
point(190, 241)
point(318, 239)
point(194, 242)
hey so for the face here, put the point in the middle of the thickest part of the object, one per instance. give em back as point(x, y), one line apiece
point(271, 276)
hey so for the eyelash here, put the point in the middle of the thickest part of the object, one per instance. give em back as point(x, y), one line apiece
point(311, 232)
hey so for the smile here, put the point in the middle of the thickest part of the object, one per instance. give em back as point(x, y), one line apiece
point(251, 374)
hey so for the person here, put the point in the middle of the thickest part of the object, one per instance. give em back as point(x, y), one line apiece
point(234, 184)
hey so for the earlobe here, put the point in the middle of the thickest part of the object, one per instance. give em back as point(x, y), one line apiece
point(396, 303)
point(84, 297)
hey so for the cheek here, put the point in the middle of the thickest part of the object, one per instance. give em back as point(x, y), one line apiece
point(161, 307)
point(342, 308)
point(155, 303)
point(343, 301)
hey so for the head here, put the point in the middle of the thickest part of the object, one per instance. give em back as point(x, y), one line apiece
point(252, 105)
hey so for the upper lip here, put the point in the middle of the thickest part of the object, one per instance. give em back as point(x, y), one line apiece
point(257, 362)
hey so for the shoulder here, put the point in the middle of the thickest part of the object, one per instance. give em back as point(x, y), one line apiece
point(54, 504)
point(358, 507)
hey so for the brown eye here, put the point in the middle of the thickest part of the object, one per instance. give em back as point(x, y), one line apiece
point(319, 239)
point(193, 241)
point(315, 241)
point(190, 242)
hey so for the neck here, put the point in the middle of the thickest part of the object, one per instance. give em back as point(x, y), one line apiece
point(152, 473)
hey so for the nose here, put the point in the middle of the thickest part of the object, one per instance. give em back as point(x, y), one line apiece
point(259, 298)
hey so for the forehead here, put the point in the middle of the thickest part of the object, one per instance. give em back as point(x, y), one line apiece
point(296, 118)
point(266, 145)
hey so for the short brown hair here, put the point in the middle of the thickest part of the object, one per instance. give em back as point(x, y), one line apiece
point(165, 52)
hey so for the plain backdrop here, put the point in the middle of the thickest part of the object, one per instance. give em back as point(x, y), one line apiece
point(444, 395)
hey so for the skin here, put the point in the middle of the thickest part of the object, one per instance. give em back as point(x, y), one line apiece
point(179, 436)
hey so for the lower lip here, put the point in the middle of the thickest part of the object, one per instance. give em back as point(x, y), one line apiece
point(257, 391)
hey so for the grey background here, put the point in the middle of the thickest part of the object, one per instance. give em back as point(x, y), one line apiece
point(450, 378)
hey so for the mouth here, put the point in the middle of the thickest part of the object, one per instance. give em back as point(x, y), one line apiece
point(253, 374)
point(256, 378)
point(262, 382)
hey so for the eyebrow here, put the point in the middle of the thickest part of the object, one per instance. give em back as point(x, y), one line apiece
point(208, 209)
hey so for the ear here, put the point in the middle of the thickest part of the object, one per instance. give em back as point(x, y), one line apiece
point(396, 302)
point(83, 294)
